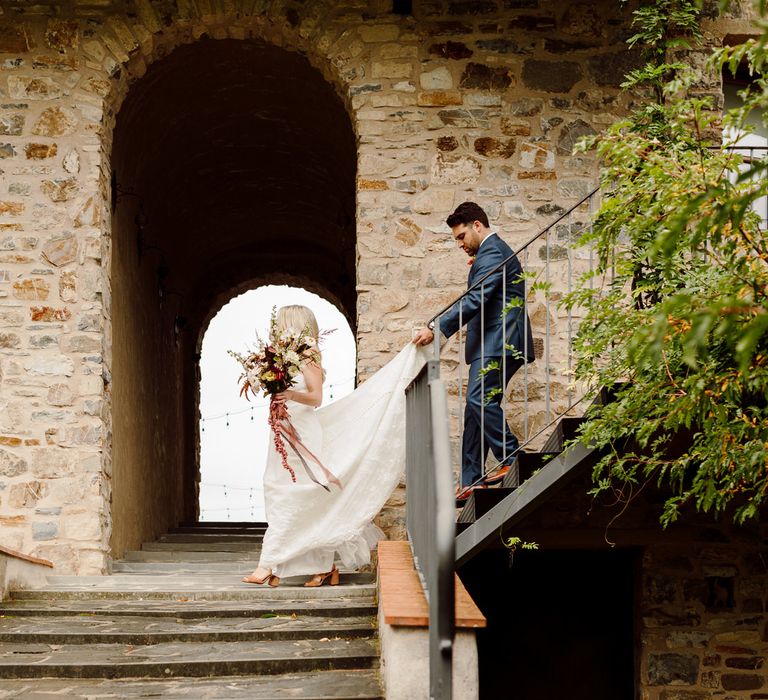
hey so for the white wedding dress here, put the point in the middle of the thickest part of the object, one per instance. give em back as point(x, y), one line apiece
point(361, 440)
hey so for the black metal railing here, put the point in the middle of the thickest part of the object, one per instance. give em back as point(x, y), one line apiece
point(554, 329)
point(430, 502)
point(557, 260)
point(430, 516)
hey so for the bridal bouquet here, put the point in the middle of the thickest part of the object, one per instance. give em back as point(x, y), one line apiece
point(274, 365)
point(271, 369)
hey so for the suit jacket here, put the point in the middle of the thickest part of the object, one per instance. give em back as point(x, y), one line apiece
point(485, 332)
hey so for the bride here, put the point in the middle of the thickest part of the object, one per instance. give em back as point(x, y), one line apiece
point(327, 515)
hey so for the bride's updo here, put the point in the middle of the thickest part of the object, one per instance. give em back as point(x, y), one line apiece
point(298, 318)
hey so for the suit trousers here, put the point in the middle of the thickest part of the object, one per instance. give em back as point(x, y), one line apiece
point(495, 432)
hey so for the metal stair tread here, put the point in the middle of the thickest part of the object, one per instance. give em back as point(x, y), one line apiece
point(480, 501)
point(528, 464)
point(565, 430)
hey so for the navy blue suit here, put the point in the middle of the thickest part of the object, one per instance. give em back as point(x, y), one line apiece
point(486, 342)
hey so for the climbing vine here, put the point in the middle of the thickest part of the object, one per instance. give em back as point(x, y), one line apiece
point(677, 323)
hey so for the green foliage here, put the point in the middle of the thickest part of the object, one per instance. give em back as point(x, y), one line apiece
point(661, 27)
point(512, 543)
point(679, 324)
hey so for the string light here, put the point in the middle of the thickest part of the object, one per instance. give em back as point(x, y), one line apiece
point(230, 487)
point(254, 502)
point(261, 404)
point(228, 510)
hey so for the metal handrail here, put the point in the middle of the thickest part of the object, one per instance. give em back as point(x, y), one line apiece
point(430, 516)
point(554, 223)
point(516, 253)
point(494, 431)
point(500, 274)
point(430, 511)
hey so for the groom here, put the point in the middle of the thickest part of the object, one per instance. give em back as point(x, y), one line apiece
point(486, 342)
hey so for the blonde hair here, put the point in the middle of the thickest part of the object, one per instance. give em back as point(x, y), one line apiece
point(298, 318)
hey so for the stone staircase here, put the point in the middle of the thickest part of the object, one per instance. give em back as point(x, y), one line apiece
point(174, 620)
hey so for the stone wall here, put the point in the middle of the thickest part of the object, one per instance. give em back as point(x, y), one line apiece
point(460, 100)
point(699, 596)
point(704, 621)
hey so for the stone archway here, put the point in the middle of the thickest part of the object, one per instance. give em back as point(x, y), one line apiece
point(233, 163)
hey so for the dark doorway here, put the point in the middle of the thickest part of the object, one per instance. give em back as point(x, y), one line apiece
point(233, 165)
point(560, 624)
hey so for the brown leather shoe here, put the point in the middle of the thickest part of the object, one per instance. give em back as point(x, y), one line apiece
point(464, 492)
point(496, 475)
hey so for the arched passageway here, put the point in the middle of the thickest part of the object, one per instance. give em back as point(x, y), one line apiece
point(233, 165)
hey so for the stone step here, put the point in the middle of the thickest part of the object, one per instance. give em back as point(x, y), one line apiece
point(227, 546)
point(188, 557)
point(330, 685)
point(218, 531)
point(193, 568)
point(108, 589)
point(175, 581)
point(221, 528)
point(225, 571)
point(245, 524)
point(106, 629)
point(187, 609)
point(166, 660)
point(211, 537)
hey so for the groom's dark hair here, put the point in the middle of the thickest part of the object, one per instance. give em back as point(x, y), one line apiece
point(466, 213)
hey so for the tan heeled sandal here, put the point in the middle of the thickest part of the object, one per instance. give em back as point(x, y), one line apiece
point(273, 581)
point(320, 579)
point(255, 579)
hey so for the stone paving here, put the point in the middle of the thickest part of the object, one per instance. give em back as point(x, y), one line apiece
point(176, 621)
point(105, 629)
point(298, 686)
point(186, 608)
point(165, 659)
